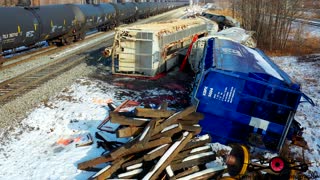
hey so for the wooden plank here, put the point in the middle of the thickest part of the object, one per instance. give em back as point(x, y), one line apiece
point(134, 166)
point(194, 160)
point(130, 174)
point(147, 132)
point(153, 113)
point(166, 159)
point(188, 171)
point(196, 129)
point(193, 116)
point(132, 162)
point(169, 131)
point(188, 122)
point(172, 119)
point(189, 152)
point(110, 169)
point(157, 152)
point(136, 146)
point(199, 141)
point(93, 162)
point(129, 131)
point(123, 120)
point(170, 172)
point(163, 105)
point(204, 174)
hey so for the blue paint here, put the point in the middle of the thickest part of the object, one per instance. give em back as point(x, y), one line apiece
point(237, 84)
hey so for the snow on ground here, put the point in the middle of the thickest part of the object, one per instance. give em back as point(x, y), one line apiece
point(32, 152)
point(308, 75)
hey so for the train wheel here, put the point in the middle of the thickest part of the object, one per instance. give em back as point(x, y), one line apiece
point(238, 160)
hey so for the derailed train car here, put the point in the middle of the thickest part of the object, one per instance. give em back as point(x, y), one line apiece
point(245, 97)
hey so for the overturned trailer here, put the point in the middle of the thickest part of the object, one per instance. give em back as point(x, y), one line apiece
point(245, 97)
point(149, 49)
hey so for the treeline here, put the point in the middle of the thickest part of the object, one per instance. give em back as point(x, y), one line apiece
point(270, 19)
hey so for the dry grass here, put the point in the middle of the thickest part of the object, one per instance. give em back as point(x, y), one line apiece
point(308, 45)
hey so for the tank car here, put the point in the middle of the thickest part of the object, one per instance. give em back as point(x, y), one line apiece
point(153, 8)
point(100, 16)
point(143, 9)
point(126, 12)
point(59, 23)
point(19, 27)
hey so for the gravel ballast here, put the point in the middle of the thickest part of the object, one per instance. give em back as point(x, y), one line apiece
point(13, 112)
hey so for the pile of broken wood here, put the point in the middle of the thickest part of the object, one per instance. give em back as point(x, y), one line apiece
point(164, 145)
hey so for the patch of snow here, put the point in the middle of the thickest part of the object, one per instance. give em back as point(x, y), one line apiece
point(144, 133)
point(169, 171)
point(169, 127)
point(130, 173)
point(101, 171)
point(199, 149)
point(135, 166)
point(156, 149)
point(197, 156)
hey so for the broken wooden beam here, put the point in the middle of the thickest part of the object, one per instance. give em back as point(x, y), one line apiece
point(196, 129)
point(132, 162)
point(199, 141)
point(93, 162)
point(147, 132)
point(153, 113)
point(136, 147)
point(157, 152)
point(130, 174)
point(166, 159)
point(168, 131)
point(188, 171)
point(189, 122)
point(194, 160)
point(170, 172)
point(193, 116)
point(128, 131)
point(183, 154)
point(173, 119)
point(123, 120)
point(110, 169)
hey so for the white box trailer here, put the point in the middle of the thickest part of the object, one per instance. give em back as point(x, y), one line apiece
point(149, 49)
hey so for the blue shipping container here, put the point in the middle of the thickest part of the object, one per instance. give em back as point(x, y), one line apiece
point(245, 97)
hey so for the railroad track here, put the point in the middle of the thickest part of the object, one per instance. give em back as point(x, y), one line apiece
point(31, 56)
point(28, 81)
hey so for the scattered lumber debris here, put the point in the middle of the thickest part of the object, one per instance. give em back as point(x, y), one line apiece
point(164, 145)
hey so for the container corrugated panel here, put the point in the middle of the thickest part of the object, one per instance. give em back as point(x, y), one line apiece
point(245, 97)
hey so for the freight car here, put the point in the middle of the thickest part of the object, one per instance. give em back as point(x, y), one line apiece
point(66, 23)
point(244, 96)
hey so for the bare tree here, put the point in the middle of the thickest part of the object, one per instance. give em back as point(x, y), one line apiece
point(270, 19)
